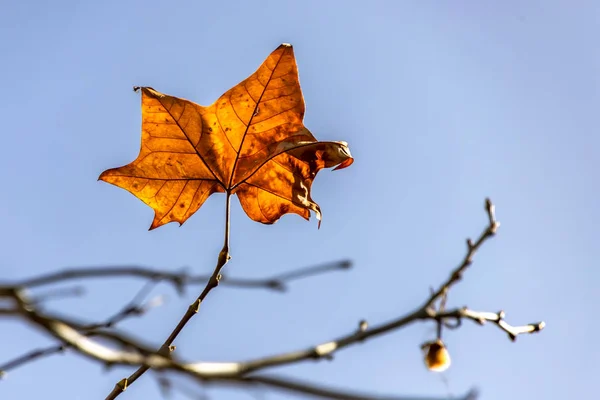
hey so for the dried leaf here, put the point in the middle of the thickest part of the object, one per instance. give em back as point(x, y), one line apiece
point(250, 142)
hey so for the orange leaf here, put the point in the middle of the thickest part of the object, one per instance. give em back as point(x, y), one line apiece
point(250, 142)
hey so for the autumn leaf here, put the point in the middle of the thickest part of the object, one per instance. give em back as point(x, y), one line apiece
point(250, 142)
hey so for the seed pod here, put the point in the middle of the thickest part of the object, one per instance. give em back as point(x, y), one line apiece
point(437, 358)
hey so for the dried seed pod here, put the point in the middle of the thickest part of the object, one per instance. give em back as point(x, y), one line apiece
point(437, 358)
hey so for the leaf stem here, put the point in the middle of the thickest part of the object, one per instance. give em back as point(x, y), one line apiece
point(192, 310)
point(227, 219)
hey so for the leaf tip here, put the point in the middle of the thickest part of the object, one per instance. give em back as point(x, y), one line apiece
point(136, 88)
point(155, 224)
point(102, 176)
point(346, 163)
point(286, 45)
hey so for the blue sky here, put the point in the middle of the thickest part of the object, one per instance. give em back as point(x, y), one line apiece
point(442, 103)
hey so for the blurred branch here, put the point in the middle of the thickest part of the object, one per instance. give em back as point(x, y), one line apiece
point(329, 393)
point(178, 279)
point(68, 333)
point(29, 357)
point(58, 293)
point(312, 271)
point(133, 308)
point(167, 387)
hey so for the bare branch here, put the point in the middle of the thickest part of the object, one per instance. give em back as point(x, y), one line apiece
point(167, 387)
point(481, 317)
point(327, 349)
point(133, 308)
point(312, 271)
point(329, 393)
point(86, 339)
point(472, 248)
point(425, 312)
point(67, 332)
point(192, 310)
point(29, 357)
point(58, 293)
point(178, 279)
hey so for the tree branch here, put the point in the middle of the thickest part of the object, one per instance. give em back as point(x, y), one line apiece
point(79, 336)
point(424, 312)
point(472, 248)
point(329, 393)
point(481, 317)
point(29, 357)
point(178, 279)
point(133, 308)
point(192, 310)
point(223, 373)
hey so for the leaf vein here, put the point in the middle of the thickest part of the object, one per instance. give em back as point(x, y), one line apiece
point(249, 122)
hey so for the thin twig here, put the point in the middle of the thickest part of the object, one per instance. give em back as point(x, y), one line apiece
point(328, 393)
point(472, 248)
point(311, 271)
point(192, 310)
point(29, 357)
point(58, 293)
point(481, 317)
point(133, 308)
point(278, 282)
point(167, 387)
point(178, 279)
